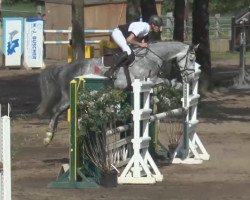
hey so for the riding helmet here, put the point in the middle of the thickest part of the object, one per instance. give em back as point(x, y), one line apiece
point(156, 20)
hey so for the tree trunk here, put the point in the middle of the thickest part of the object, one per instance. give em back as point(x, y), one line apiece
point(201, 37)
point(148, 8)
point(78, 42)
point(179, 10)
point(133, 11)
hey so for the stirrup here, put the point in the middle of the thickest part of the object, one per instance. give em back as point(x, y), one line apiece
point(112, 75)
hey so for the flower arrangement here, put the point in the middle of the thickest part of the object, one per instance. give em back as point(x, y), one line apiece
point(99, 112)
point(169, 96)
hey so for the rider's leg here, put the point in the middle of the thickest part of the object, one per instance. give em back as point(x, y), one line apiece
point(122, 59)
point(122, 43)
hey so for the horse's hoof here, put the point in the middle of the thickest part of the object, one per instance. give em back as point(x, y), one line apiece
point(48, 139)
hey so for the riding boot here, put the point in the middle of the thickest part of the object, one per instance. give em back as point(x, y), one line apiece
point(123, 57)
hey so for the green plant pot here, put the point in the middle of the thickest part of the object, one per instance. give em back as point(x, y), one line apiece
point(95, 82)
point(171, 149)
point(108, 179)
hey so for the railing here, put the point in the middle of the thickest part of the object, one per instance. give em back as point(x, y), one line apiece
point(220, 27)
point(69, 31)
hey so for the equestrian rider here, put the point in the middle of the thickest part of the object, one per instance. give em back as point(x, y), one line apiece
point(135, 33)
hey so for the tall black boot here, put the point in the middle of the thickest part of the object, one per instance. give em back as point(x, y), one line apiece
point(122, 58)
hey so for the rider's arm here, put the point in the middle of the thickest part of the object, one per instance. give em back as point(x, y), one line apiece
point(131, 39)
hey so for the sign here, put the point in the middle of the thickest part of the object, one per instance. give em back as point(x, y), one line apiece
point(12, 45)
point(33, 43)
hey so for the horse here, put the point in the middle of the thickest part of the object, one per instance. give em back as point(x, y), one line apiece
point(149, 62)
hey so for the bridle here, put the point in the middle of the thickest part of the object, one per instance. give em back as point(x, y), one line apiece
point(185, 72)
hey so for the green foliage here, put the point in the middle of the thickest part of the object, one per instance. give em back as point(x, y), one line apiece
point(19, 9)
point(228, 6)
point(167, 6)
point(215, 6)
point(168, 97)
point(101, 110)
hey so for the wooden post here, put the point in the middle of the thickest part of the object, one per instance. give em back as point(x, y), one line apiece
point(217, 25)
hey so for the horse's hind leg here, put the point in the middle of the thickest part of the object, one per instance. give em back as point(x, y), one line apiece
point(61, 107)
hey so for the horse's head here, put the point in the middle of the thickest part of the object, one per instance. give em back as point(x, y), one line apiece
point(186, 62)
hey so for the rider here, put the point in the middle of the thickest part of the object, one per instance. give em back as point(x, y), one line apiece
point(135, 33)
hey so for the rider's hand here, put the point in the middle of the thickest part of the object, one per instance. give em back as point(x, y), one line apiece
point(143, 45)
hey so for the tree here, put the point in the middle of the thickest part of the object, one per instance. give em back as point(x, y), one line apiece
point(201, 36)
point(133, 11)
point(148, 8)
point(78, 41)
point(179, 10)
point(140, 8)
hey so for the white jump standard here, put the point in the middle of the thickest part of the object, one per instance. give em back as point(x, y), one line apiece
point(141, 168)
point(190, 149)
point(5, 156)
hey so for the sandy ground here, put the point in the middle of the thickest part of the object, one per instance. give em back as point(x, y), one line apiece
point(224, 116)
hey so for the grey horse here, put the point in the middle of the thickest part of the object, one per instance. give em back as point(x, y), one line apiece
point(149, 63)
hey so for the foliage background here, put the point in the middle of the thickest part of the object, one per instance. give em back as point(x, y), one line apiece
point(216, 6)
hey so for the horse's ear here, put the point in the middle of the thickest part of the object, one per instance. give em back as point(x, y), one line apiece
point(196, 47)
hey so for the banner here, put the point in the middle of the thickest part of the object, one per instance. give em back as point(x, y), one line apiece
point(33, 43)
point(12, 45)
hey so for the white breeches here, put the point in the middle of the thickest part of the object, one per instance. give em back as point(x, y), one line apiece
point(120, 40)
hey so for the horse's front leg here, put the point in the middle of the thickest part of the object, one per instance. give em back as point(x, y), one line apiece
point(60, 108)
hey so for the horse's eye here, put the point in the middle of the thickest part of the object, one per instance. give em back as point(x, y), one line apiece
point(192, 57)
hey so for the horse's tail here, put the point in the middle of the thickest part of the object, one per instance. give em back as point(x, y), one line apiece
point(50, 90)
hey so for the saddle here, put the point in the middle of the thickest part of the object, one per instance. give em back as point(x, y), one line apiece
point(110, 58)
point(110, 55)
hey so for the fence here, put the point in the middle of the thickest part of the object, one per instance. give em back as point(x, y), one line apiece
point(220, 27)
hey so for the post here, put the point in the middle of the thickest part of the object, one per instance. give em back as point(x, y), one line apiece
point(190, 150)
point(217, 25)
point(232, 43)
point(185, 105)
point(141, 168)
point(242, 52)
point(73, 133)
point(74, 176)
point(5, 157)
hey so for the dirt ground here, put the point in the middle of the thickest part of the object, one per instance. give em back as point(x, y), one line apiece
point(224, 129)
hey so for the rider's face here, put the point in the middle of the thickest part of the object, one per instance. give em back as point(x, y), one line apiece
point(155, 28)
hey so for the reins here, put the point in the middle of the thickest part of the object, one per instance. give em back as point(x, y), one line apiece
point(137, 54)
point(185, 71)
